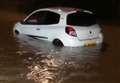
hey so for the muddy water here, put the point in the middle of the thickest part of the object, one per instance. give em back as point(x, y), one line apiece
point(27, 60)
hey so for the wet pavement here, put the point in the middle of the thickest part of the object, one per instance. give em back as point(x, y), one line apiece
point(27, 60)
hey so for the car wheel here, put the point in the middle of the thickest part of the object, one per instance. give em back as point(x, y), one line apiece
point(57, 42)
point(16, 32)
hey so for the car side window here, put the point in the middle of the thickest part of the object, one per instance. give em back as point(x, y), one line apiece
point(52, 18)
point(43, 17)
point(36, 18)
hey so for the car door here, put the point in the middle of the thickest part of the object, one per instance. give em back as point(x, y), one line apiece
point(31, 25)
point(40, 24)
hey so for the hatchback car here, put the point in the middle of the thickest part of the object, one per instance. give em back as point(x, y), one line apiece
point(62, 26)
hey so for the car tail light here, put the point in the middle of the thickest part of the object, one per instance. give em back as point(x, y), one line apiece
point(70, 31)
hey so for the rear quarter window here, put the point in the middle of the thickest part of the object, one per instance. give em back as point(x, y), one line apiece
point(81, 19)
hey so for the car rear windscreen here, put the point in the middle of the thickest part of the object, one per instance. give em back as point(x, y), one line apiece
point(81, 19)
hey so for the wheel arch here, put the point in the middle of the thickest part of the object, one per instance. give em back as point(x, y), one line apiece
point(57, 42)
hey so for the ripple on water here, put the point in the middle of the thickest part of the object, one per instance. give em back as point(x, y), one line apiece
point(49, 64)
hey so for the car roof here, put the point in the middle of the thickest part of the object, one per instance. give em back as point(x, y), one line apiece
point(64, 9)
point(60, 10)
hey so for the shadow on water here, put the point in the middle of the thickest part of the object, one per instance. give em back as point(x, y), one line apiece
point(49, 64)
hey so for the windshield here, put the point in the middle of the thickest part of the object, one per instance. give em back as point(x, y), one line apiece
point(81, 19)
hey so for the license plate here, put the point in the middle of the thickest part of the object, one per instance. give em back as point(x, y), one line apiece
point(89, 43)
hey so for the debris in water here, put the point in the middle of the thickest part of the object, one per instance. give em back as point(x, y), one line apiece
point(21, 52)
point(45, 72)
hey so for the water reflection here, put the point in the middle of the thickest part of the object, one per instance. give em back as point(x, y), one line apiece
point(50, 64)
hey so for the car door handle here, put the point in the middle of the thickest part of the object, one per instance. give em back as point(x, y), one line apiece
point(37, 28)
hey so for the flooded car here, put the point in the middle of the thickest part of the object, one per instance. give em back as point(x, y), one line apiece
point(41, 62)
point(62, 26)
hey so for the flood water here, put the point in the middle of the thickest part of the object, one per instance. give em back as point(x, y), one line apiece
point(27, 60)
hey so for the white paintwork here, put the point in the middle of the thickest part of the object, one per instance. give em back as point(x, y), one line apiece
point(57, 31)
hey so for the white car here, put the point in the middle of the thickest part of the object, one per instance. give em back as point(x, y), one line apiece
point(62, 26)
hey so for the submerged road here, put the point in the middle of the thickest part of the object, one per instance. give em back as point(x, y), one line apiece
point(25, 60)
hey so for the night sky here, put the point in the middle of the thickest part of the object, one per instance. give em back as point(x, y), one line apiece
point(102, 8)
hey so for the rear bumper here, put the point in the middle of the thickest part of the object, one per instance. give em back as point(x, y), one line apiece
point(75, 42)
